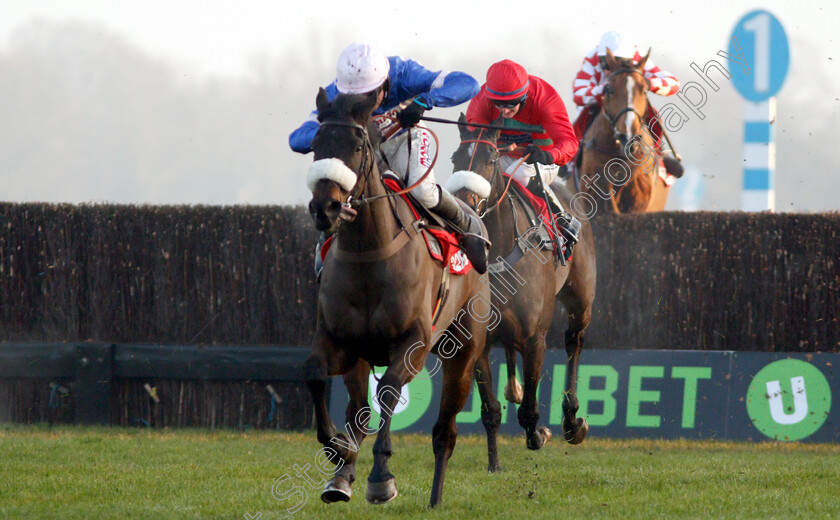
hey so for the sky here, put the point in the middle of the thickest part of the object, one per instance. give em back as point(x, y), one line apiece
point(204, 41)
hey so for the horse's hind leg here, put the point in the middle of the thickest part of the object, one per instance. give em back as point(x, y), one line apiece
point(532, 363)
point(579, 307)
point(339, 488)
point(457, 379)
point(513, 390)
point(491, 410)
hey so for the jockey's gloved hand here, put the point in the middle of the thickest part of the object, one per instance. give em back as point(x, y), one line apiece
point(538, 155)
point(410, 115)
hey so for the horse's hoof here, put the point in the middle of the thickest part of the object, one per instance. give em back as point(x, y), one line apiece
point(337, 490)
point(576, 434)
point(515, 393)
point(539, 439)
point(494, 467)
point(381, 492)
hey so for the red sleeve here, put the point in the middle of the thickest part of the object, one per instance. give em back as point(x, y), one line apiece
point(550, 112)
point(480, 109)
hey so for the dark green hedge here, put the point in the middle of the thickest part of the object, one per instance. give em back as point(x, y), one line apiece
point(243, 275)
point(718, 281)
point(159, 274)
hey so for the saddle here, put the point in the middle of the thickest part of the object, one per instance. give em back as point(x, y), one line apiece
point(539, 235)
point(442, 243)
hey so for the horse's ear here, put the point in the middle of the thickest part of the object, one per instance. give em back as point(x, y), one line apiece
point(495, 133)
point(610, 59)
point(462, 126)
point(322, 101)
point(641, 65)
point(363, 109)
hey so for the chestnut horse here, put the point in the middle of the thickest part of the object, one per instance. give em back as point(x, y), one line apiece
point(379, 302)
point(528, 310)
point(619, 163)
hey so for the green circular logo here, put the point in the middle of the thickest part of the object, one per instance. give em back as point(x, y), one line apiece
point(788, 400)
point(414, 400)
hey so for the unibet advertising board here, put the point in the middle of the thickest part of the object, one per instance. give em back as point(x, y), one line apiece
point(651, 393)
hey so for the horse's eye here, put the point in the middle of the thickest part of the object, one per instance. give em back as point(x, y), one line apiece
point(609, 89)
point(359, 149)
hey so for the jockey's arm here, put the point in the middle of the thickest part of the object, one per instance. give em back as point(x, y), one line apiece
point(555, 120)
point(586, 87)
point(301, 138)
point(661, 82)
point(441, 88)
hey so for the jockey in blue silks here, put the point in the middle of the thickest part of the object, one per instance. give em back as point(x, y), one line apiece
point(405, 90)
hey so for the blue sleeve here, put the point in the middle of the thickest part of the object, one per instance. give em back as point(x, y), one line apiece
point(437, 88)
point(300, 139)
point(457, 88)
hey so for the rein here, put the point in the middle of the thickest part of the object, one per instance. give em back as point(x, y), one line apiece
point(403, 191)
point(354, 200)
point(406, 232)
point(496, 169)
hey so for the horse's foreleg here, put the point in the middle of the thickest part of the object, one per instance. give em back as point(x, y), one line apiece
point(339, 488)
point(491, 410)
point(532, 363)
point(381, 483)
point(324, 361)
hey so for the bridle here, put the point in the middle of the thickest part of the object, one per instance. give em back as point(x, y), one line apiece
point(365, 168)
point(620, 138)
point(354, 199)
point(481, 206)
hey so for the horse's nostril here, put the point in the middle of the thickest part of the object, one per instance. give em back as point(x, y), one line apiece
point(333, 206)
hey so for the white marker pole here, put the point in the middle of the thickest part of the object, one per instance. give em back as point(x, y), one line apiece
point(759, 188)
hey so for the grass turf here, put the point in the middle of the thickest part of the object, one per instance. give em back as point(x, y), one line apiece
point(86, 472)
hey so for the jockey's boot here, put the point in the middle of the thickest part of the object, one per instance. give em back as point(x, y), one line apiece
point(673, 165)
point(566, 223)
point(468, 225)
point(319, 264)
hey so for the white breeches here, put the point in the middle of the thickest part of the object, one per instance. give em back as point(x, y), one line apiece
point(525, 171)
point(423, 150)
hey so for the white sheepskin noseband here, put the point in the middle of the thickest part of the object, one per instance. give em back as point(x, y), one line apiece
point(331, 169)
point(469, 180)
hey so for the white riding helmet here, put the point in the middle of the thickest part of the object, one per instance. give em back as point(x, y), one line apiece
point(621, 45)
point(361, 68)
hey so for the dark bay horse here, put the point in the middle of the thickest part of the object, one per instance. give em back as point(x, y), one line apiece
point(620, 165)
point(528, 310)
point(376, 304)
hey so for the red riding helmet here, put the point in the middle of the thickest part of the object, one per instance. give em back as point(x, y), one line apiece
point(506, 80)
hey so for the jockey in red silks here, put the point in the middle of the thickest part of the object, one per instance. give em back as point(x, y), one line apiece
point(588, 86)
point(405, 89)
point(538, 123)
